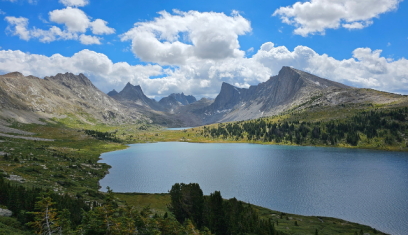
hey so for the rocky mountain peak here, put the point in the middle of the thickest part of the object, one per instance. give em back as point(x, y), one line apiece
point(229, 96)
point(287, 71)
point(13, 74)
point(112, 93)
point(71, 80)
point(131, 91)
point(135, 95)
point(183, 99)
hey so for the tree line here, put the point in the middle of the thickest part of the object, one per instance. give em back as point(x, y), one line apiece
point(216, 214)
point(21, 200)
point(46, 212)
point(108, 136)
point(387, 124)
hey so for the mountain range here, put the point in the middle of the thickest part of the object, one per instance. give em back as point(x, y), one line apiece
point(27, 98)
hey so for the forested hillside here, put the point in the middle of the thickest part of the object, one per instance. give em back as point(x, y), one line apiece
point(386, 129)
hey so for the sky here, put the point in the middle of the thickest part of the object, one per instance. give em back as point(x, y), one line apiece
point(193, 46)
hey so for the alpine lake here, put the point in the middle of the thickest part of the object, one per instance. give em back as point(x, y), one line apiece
point(363, 186)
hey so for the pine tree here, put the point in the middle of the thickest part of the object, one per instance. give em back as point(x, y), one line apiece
point(45, 219)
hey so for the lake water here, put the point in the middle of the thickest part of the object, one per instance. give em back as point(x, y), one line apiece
point(363, 186)
point(178, 128)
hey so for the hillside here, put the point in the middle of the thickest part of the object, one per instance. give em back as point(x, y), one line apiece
point(28, 98)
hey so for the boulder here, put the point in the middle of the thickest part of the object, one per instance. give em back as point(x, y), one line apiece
point(5, 212)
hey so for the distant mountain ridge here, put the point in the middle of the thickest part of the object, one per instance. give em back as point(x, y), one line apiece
point(134, 93)
point(291, 89)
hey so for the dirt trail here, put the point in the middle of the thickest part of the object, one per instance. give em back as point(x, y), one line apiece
point(24, 137)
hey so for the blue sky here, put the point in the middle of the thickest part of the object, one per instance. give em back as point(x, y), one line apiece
point(194, 46)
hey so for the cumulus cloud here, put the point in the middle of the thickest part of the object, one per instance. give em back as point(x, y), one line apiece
point(316, 16)
point(75, 21)
point(73, 3)
point(100, 27)
point(18, 26)
point(88, 40)
point(173, 39)
point(52, 34)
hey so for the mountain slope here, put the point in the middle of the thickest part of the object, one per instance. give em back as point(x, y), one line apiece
point(133, 95)
point(290, 89)
point(28, 98)
point(172, 102)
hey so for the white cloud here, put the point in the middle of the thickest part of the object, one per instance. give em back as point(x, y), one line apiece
point(77, 21)
point(52, 34)
point(42, 19)
point(250, 50)
point(99, 27)
point(366, 68)
point(2, 12)
point(358, 25)
point(88, 40)
point(29, 1)
point(175, 39)
point(73, 3)
point(20, 27)
point(74, 19)
point(315, 16)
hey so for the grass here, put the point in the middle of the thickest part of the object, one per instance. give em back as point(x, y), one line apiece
point(66, 165)
point(157, 202)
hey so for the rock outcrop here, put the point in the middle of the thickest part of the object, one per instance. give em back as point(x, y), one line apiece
point(5, 212)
